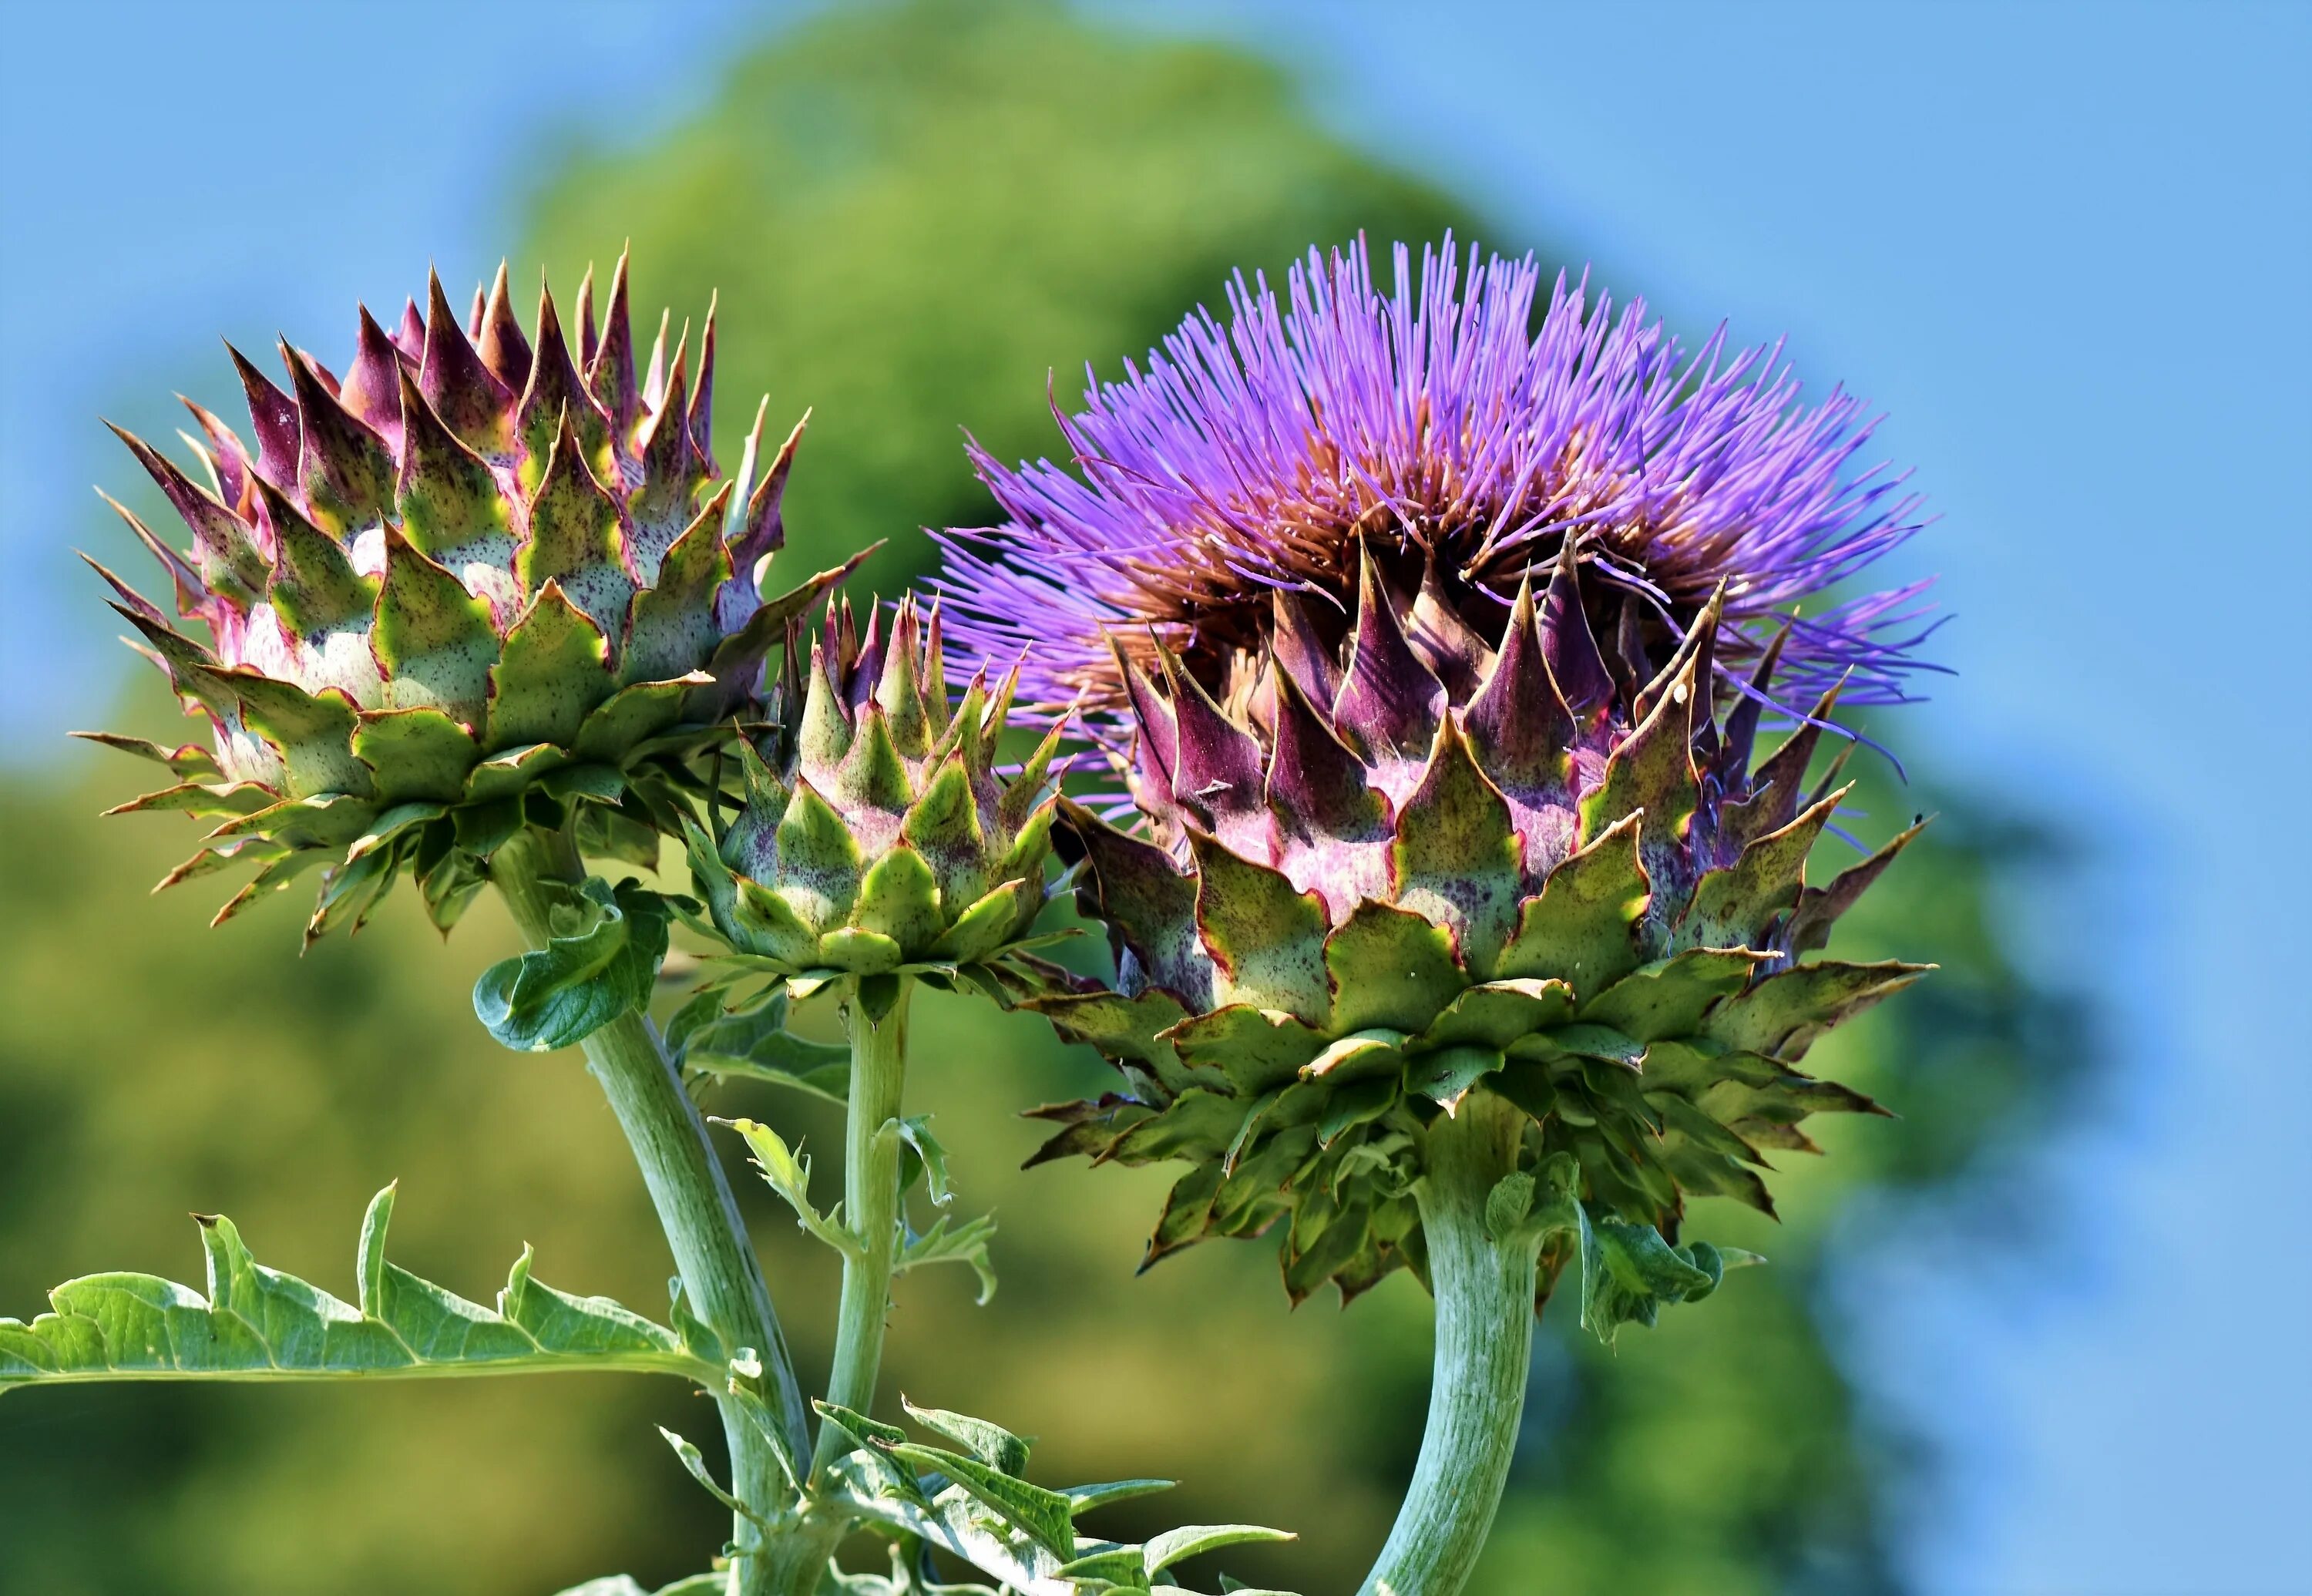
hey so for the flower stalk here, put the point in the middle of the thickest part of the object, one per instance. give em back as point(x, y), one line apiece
point(1485, 1289)
point(870, 1204)
point(870, 1215)
point(721, 1275)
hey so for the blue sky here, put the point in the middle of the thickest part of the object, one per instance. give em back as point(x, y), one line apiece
point(2064, 245)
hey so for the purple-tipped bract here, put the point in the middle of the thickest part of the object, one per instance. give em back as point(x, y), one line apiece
point(484, 580)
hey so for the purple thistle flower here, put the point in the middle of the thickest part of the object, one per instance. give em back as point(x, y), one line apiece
point(1432, 426)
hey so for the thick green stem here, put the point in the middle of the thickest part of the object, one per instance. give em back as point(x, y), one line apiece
point(870, 1213)
point(1484, 1340)
point(721, 1276)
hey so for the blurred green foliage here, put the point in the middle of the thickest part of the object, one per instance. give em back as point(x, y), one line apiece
point(911, 215)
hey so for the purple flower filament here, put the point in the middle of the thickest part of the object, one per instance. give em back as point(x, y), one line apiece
point(1434, 424)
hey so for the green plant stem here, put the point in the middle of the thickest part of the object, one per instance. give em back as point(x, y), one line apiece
point(1484, 1294)
point(721, 1276)
point(871, 1209)
point(870, 1213)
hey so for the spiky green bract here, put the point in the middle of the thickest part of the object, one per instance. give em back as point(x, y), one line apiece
point(481, 581)
point(1434, 867)
point(874, 835)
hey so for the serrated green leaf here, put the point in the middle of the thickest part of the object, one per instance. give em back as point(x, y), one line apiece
point(1128, 1028)
point(1455, 855)
point(1584, 1040)
point(1735, 906)
point(1256, 1048)
point(1113, 1568)
point(947, 1242)
point(1354, 1103)
point(1781, 1015)
point(434, 638)
point(1359, 1055)
point(788, 1173)
point(619, 730)
point(505, 777)
point(1498, 1012)
point(257, 1323)
point(695, 1467)
point(1188, 1211)
point(1044, 1516)
point(1446, 1076)
point(419, 756)
point(1198, 1125)
point(388, 826)
point(875, 1488)
point(313, 733)
point(865, 1431)
point(991, 1444)
point(1651, 771)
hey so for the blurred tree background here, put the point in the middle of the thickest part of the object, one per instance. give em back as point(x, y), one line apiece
point(912, 215)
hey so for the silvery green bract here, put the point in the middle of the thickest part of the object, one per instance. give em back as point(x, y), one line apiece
point(479, 579)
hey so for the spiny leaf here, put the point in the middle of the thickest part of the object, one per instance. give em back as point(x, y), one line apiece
point(257, 1323)
point(991, 1444)
point(947, 1242)
point(695, 1466)
point(788, 1173)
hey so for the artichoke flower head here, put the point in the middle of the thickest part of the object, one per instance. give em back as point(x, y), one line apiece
point(875, 835)
point(1498, 820)
point(483, 580)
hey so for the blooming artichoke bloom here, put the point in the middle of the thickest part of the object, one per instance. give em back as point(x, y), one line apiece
point(875, 835)
point(1435, 839)
point(1433, 429)
point(479, 579)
